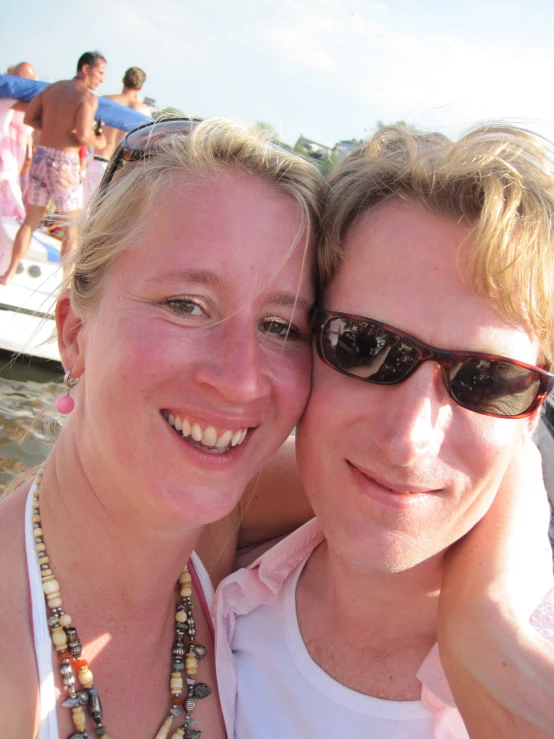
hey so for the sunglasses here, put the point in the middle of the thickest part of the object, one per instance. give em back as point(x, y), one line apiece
point(375, 352)
point(140, 143)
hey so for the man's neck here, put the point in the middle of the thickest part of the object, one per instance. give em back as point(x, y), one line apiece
point(369, 629)
point(130, 95)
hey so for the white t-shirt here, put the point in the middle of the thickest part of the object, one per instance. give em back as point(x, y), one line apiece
point(283, 694)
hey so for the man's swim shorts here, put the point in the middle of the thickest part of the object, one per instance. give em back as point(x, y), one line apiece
point(55, 175)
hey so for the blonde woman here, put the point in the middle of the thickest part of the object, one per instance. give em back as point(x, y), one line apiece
point(185, 336)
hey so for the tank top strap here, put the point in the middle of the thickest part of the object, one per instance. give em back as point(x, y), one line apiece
point(48, 720)
point(203, 587)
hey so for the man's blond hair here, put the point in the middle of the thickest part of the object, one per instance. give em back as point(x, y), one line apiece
point(498, 179)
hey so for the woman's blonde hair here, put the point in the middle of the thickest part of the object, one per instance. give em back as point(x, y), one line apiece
point(116, 219)
point(497, 178)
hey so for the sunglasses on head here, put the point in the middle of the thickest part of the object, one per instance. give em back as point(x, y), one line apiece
point(375, 352)
point(140, 144)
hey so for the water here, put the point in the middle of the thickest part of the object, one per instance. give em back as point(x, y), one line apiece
point(29, 423)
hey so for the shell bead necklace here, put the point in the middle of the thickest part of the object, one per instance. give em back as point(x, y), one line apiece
point(76, 674)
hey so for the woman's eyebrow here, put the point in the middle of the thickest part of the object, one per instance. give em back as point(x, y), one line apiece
point(207, 277)
point(291, 300)
point(201, 276)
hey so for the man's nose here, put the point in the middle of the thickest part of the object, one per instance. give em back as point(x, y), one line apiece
point(417, 413)
point(237, 368)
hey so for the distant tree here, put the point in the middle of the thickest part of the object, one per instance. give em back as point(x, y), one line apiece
point(302, 151)
point(271, 133)
point(379, 125)
point(327, 163)
point(168, 112)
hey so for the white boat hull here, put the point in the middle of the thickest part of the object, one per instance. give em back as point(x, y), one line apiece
point(27, 303)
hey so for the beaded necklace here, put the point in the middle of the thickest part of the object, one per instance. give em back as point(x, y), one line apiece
point(74, 669)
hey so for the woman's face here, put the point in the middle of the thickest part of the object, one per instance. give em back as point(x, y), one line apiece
point(196, 364)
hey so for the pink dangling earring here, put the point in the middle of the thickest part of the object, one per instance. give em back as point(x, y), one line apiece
point(65, 403)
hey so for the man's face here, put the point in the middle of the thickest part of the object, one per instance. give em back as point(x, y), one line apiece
point(95, 75)
point(398, 473)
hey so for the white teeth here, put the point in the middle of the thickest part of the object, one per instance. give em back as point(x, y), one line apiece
point(209, 437)
point(224, 439)
point(236, 438)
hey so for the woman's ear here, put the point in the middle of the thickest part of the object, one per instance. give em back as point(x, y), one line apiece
point(70, 328)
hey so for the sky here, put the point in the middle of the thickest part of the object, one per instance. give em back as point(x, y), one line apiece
point(326, 69)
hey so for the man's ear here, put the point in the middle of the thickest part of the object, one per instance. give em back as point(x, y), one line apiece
point(69, 328)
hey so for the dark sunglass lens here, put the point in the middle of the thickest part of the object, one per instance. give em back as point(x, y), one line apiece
point(147, 136)
point(493, 386)
point(366, 350)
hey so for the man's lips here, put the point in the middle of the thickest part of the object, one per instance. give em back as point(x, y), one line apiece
point(395, 487)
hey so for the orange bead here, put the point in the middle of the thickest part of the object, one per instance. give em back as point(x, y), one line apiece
point(80, 663)
point(64, 655)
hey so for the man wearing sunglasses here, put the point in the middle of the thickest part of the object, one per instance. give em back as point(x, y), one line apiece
point(434, 343)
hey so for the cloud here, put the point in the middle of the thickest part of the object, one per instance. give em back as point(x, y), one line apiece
point(438, 79)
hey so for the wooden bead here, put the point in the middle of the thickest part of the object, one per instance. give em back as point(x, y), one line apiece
point(85, 677)
point(185, 592)
point(40, 547)
point(79, 718)
point(191, 664)
point(65, 620)
point(176, 682)
point(54, 602)
point(43, 560)
point(181, 617)
point(46, 572)
point(35, 518)
point(59, 638)
point(35, 504)
point(37, 533)
point(185, 578)
point(179, 734)
point(165, 728)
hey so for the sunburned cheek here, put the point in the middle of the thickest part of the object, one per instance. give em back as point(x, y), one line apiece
point(294, 383)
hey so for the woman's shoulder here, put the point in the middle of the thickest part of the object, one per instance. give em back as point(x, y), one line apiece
point(18, 681)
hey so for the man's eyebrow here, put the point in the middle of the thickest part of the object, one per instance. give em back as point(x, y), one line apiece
point(201, 276)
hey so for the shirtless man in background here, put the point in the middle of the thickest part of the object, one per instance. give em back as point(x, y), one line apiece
point(133, 81)
point(64, 114)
